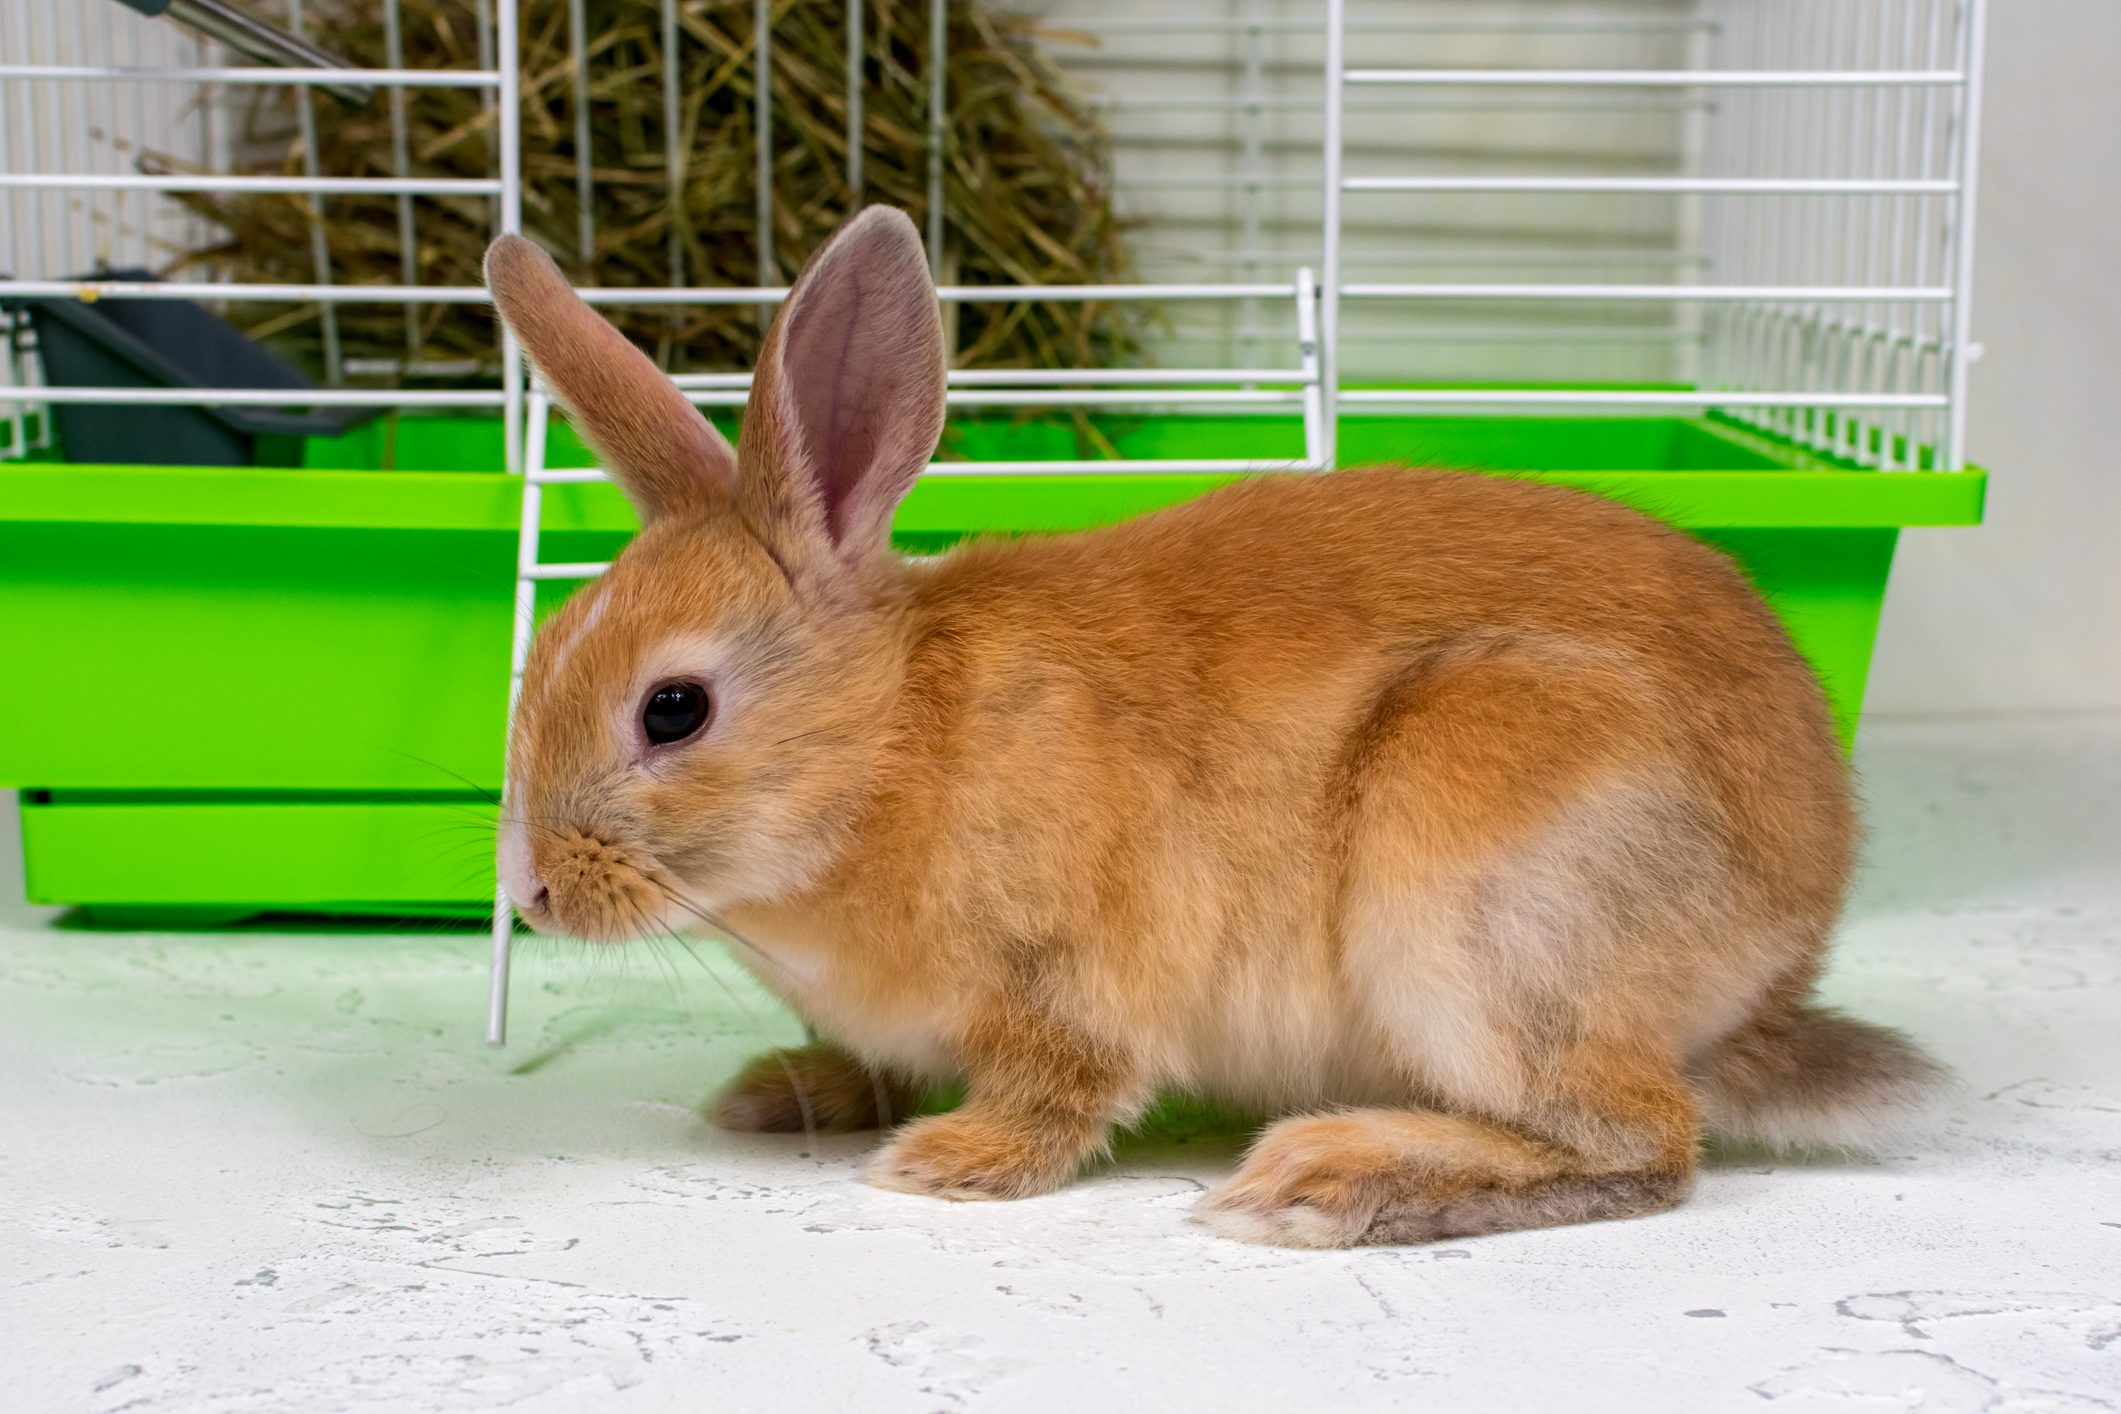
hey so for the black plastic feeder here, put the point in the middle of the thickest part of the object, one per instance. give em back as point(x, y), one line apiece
point(168, 344)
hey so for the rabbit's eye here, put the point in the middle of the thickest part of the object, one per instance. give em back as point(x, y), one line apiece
point(674, 711)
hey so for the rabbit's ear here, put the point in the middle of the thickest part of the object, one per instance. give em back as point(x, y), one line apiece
point(666, 457)
point(847, 402)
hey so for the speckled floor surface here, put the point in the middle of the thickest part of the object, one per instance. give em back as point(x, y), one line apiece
point(279, 1171)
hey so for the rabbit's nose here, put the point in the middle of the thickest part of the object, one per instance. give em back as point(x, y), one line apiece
point(519, 874)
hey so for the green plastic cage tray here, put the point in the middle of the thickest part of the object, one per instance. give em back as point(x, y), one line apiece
point(244, 690)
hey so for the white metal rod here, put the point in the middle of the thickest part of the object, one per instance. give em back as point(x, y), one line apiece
point(1233, 181)
point(509, 214)
point(1013, 377)
point(566, 476)
point(420, 367)
point(576, 570)
point(1592, 100)
point(857, 129)
point(401, 166)
point(526, 602)
point(1862, 254)
point(1692, 320)
point(17, 440)
point(1253, 164)
point(476, 294)
point(1719, 186)
point(949, 294)
point(585, 221)
point(1899, 319)
point(73, 132)
point(197, 230)
point(1615, 397)
point(300, 78)
point(535, 475)
point(485, 25)
point(472, 294)
point(1211, 24)
point(1929, 323)
point(1315, 455)
point(1530, 333)
point(563, 476)
point(1823, 293)
point(265, 397)
point(497, 965)
point(1766, 124)
point(1124, 466)
point(209, 182)
point(92, 290)
point(1327, 451)
point(151, 211)
point(1655, 78)
point(1836, 143)
point(313, 217)
point(112, 139)
point(1066, 397)
point(762, 136)
point(1731, 254)
point(26, 210)
point(1861, 330)
point(938, 113)
point(1055, 377)
point(674, 145)
point(1973, 21)
point(1811, 137)
point(1447, 255)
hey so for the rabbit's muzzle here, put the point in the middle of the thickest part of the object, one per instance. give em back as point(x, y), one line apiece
point(593, 889)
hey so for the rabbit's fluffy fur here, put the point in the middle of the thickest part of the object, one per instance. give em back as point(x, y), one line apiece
point(1486, 832)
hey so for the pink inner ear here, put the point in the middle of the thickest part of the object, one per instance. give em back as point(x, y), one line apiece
point(862, 365)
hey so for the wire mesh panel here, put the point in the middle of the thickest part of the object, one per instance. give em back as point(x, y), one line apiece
point(123, 129)
point(98, 128)
point(1797, 304)
point(1864, 154)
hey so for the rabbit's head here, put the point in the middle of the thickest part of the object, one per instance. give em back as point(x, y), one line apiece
point(696, 726)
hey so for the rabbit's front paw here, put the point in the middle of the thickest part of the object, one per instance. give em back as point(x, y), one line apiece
point(968, 1156)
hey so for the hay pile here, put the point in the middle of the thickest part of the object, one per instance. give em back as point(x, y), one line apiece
point(1027, 191)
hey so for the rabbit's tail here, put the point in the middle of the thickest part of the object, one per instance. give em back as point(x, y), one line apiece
point(1807, 1077)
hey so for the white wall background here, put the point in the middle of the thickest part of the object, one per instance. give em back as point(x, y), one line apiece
point(2025, 612)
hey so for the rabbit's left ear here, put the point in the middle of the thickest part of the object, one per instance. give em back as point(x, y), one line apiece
point(847, 402)
point(666, 457)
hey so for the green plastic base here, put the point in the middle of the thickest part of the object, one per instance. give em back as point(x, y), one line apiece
point(283, 689)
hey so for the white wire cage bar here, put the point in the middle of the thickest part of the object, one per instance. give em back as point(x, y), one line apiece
point(1767, 219)
point(253, 76)
point(1654, 78)
point(226, 182)
point(1824, 188)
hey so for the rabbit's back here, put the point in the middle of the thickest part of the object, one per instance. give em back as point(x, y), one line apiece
point(1192, 718)
point(1266, 618)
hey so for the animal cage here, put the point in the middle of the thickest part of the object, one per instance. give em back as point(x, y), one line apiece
point(1711, 257)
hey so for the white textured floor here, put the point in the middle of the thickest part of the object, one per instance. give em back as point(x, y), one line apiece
point(279, 1171)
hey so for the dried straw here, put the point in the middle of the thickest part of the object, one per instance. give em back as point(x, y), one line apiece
point(1027, 192)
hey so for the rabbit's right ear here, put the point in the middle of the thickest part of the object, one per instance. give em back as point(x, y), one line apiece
point(664, 455)
point(847, 403)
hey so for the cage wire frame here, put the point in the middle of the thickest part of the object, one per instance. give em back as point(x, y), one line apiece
point(1857, 368)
